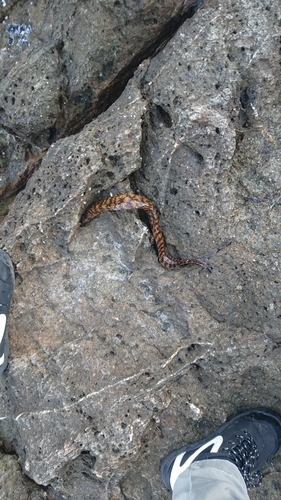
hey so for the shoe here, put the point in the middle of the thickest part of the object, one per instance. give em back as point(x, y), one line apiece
point(249, 441)
point(7, 284)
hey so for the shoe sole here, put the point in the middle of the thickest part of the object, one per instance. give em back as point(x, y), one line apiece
point(165, 468)
point(4, 308)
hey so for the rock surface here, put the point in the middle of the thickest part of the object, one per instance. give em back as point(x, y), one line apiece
point(114, 361)
point(64, 62)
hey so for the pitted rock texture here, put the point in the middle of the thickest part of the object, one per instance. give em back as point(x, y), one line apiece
point(115, 361)
point(64, 62)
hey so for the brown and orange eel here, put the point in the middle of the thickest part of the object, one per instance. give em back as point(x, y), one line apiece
point(130, 201)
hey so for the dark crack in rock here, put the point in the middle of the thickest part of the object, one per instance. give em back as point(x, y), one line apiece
point(65, 62)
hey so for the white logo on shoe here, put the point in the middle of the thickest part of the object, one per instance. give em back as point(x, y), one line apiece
point(178, 469)
point(2, 326)
point(2, 359)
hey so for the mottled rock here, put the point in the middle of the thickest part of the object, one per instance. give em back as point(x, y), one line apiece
point(14, 484)
point(114, 360)
point(216, 145)
point(64, 62)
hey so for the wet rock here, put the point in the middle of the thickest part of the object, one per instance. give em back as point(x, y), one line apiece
point(64, 63)
point(114, 360)
point(14, 484)
point(135, 487)
point(77, 480)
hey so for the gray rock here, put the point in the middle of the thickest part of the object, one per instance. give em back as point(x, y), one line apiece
point(114, 360)
point(14, 484)
point(65, 62)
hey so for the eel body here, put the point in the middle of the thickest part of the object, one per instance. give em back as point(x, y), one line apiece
point(130, 201)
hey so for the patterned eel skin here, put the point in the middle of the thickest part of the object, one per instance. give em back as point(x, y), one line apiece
point(130, 201)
